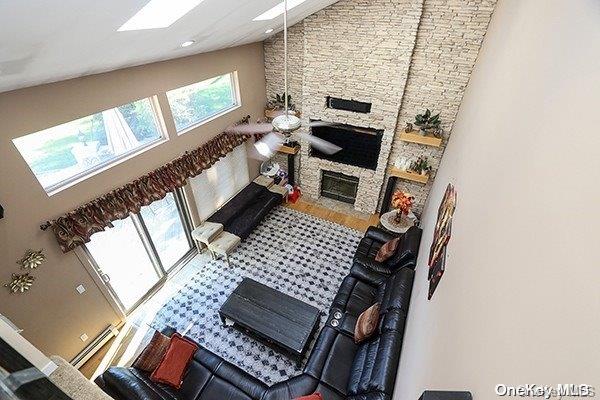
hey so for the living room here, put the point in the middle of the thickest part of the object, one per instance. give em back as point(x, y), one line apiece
point(243, 182)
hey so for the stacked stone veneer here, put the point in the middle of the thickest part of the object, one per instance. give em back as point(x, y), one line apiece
point(401, 55)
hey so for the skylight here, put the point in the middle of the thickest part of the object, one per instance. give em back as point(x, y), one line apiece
point(159, 14)
point(277, 10)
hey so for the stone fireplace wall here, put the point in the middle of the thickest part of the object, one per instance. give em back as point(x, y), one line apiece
point(401, 55)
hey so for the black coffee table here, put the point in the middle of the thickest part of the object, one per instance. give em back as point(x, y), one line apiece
point(272, 316)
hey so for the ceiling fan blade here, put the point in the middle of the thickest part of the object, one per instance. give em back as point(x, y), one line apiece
point(266, 147)
point(316, 123)
point(318, 143)
point(250, 129)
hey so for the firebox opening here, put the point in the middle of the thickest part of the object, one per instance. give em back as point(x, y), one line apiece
point(339, 186)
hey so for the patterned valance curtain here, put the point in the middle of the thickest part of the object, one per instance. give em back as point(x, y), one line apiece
point(76, 227)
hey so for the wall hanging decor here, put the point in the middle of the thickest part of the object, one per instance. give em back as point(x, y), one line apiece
point(32, 259)
point(20, 283)
point(441, 237)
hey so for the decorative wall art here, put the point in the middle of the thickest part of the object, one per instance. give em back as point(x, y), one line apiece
point(441, 236)
point(20, 283)
point(32, 259)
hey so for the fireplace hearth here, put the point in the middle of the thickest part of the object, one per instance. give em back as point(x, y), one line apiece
point(339, 186)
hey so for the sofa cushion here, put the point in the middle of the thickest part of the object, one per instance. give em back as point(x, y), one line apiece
point(253, 213)
point(366, 273)
point(355, 296)
point(375, 366)
point(368, 247)
point(238, 203)
point(331, 360)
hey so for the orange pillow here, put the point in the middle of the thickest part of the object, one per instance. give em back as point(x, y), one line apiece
point(387, 250)
point(314, 396)
point(174, 364)
point(366, 324)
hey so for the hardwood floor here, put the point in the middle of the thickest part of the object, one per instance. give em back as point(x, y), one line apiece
point(350, 221)
point(111, 351)
point(89, 368)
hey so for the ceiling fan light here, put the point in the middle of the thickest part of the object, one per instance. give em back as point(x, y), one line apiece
point(263, 149)
point(286, 123)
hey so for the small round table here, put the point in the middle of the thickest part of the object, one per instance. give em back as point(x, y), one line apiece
point(388, 222)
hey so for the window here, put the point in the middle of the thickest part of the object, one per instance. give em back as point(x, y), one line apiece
point(75, 150)
point(156, 239)
point(194, 104)
point(215, 186)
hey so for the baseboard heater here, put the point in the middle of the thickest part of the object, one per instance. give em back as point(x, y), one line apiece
point(87, 353)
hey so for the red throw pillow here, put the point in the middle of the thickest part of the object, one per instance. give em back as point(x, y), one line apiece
point(314, 396)
point(387, 250)
point(174, 364)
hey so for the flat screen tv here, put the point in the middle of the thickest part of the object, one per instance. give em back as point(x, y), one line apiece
point(360, 146)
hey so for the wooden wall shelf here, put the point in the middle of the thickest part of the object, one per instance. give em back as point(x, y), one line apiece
point(289, 150)
point(416, 137)
point(409, 176)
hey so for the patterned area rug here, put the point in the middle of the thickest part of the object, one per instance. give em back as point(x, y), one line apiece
point(300, 255)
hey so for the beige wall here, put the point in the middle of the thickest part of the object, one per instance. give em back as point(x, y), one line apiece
point(520, 300)
point(52, 314)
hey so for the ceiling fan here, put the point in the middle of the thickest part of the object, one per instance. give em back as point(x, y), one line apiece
point(285, 125)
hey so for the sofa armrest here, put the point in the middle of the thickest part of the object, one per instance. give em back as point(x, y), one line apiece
point(408, 250)
point(379, 234)
point(301, 385)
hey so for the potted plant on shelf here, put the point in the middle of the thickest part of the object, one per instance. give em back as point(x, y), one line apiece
point(427, 123)
point(421, 166)
point(277, 104)
point(403, 203)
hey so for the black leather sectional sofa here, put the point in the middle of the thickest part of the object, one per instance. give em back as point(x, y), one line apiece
point(246, 210)
point(337, 367)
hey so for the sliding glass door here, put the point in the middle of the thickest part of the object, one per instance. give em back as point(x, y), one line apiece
point(165, 225)
point(138, 252)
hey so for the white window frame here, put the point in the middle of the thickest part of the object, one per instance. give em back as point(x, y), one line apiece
point(82, 176)
point(235, 88)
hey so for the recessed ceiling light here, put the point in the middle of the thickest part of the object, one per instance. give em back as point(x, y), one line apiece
point(188, 43)
point(278, 10)
point(159, 14)
point(269, 31)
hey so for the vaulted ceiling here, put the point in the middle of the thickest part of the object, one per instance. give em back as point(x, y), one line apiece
point(50, 40)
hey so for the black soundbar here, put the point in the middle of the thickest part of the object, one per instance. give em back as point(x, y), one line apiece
point(348, 105)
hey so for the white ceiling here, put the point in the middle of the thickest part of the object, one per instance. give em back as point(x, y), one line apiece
point(45, 41)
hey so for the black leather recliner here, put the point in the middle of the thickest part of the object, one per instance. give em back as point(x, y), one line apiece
point(337, 367)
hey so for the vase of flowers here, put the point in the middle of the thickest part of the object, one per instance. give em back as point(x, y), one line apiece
point(403, 203)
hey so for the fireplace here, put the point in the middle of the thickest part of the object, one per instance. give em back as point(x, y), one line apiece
point(339, 186)
point(360, 146)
